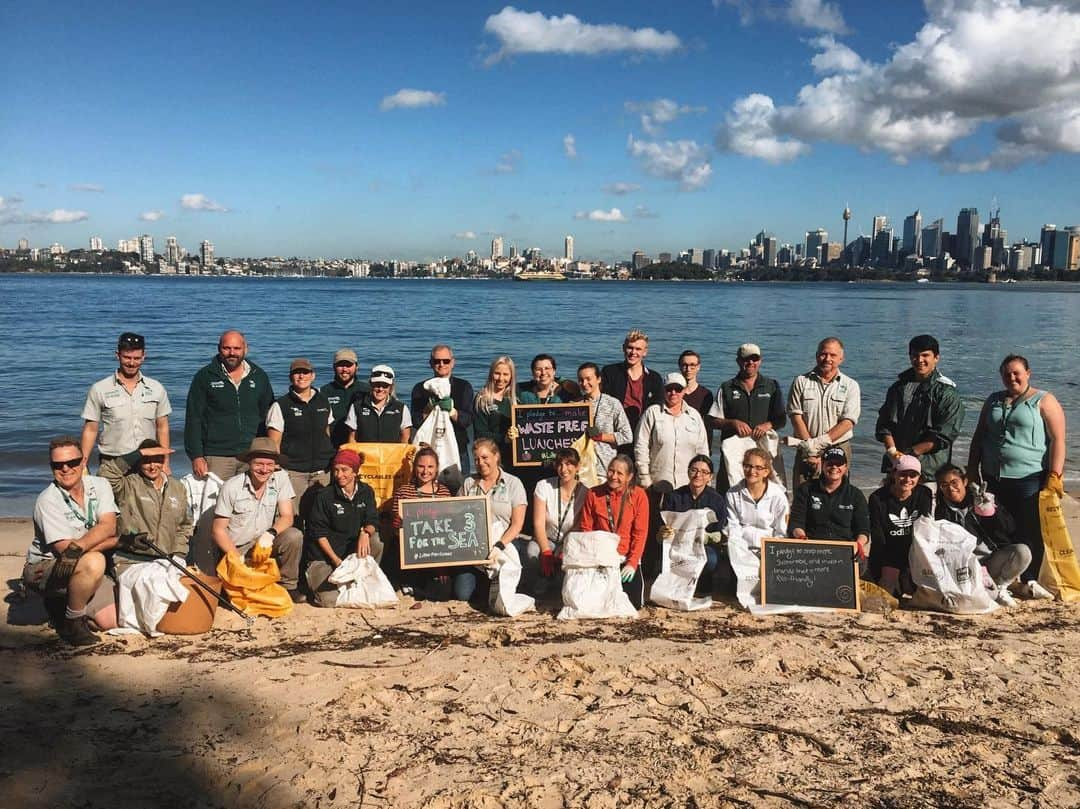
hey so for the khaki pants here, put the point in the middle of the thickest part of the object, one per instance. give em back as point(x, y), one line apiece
point(799, 467)
point(286, 551)
point(305, 486)
point(225, 466)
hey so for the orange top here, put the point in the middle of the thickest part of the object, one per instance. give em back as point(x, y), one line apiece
point(603, 507)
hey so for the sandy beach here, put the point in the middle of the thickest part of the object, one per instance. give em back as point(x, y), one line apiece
point(443, 706)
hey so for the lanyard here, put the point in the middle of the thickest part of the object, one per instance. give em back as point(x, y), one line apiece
point(90, 520)
point(612, 521)
point(563, 512)
point(1008, 409)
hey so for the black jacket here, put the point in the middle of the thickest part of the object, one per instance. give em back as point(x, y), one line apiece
point(464, 402)
point(991, 533)
point(339, 519)
point(613, 383)
point(841, 515)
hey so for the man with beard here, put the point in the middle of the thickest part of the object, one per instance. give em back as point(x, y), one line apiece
point(226, 404)
point(341, 391)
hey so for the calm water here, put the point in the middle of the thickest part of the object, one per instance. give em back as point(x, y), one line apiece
point(59, 335)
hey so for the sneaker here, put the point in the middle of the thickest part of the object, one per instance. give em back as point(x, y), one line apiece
point(1036, 591)
point(1004, 598)
point(76, 632)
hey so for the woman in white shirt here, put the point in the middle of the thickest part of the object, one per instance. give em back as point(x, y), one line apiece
point(557, 504)
point(757, 508)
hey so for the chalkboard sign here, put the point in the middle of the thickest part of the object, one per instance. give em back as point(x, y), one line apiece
point(444, 532)
point(810, 573)
point(544, 429)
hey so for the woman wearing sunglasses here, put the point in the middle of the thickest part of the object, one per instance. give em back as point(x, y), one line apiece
point(379, 417)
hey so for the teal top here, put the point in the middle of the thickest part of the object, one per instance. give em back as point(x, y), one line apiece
point(1014, 445)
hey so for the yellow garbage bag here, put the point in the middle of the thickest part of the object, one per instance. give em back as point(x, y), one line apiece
point(254, 589)
point(1060, 571)
point(385, 467)
point(589, 472)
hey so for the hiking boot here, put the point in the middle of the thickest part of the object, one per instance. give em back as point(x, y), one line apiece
point(1036, 591)
point(297, 597)
point(76, 632)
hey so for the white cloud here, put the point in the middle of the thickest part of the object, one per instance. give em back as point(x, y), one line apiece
point(660, 111)
point(621, 189)
point(12, 214)
point(599, 215)
point(465, 235)
point(151, 216)
point(643, 212)
point(682, 160)
point(201, 202)
point(817, 15)
point(89, 187)
point(521, 32)
point(969, 66)
point(569, 145)
point(508, 162)
point(407, 98)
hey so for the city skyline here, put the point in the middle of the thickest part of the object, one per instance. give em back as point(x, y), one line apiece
point(339, 132)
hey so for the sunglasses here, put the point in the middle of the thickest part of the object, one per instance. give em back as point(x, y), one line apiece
point(132, 341)
point(72, 464)
point(435, 361)
point(380, 384)
point(907, 475)
point(673, 389)
point(752, 358)
point(344, 364)
point(300, 372)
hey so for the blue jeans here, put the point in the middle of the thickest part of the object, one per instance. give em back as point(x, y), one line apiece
point(463, 584)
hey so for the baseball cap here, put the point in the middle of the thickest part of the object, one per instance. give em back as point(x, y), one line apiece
point(382, 373)
point(907, 463)
point(301, 364)
point(748, 350)
point(675, 378)
point(345, 355)
point(834, 455)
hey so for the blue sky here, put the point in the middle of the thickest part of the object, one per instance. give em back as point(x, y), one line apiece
point(281, 129)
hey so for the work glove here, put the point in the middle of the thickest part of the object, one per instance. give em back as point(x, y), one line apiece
point(512, 434)
point(627, 573)
point(446, 404)
point(714, 537)
point(263, 547)
point(548, 564)
point(815, 446)
point(134, 543)
point(495, 554)
point(594, 433)
point(68, 559)
point(1055, 484)
point(666, 532)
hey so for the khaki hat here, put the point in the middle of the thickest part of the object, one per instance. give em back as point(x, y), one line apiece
point(301, 364)
point(262, 448)
point(345, 355)
point(748, 350)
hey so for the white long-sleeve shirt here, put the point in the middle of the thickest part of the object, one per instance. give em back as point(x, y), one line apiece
point(666, 443)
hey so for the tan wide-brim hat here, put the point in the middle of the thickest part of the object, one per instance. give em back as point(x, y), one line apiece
point(261, 448)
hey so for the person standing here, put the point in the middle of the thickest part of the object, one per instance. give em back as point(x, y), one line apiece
point(124, 408)
point(1018, 444)
point(748, 405)
point(922, 413)
point(340, 392)
point(226, 404)
point(74, 525)
point(610, 426)
point(824, 406)
point(546, 387)
point(632, 384)
point(696, 396)
point(379, 416)
point(459, 404)
point(494, 404)
point(299, 424)
point(668, 437)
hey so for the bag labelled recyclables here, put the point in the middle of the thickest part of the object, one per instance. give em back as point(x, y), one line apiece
point(592, 587)
point(254, 589)
point(683, 559)
point(361, 583)
point(437, 431)
point(945, 571)
point(1060, 572)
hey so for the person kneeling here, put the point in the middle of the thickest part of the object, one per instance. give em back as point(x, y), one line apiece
point(997, 548)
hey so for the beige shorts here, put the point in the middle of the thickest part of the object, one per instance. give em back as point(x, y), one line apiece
point(35, 574)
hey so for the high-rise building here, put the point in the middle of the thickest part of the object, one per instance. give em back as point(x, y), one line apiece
point(1020, 257)
point(664, 258)
point(496, 247)
point(95, 243)
point(770, 258)
point(881, 247)
point(967, 236)
point(995, 237)
point(982, 262)
point(172, 251)
point(932, 239)
point(696, 256)
point(815, 240)
point(785, 255)
point(708, 259)
point(514, 252)
point(568, 248)
point(24, 244)
point(912, 244)
point(146, 247)
point(206, 254)
point(880, 221)
point(1046, 241)
point(1067, 249)
point(638, 260)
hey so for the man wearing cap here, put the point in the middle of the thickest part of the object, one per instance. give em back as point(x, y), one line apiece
point(74, 525)
point(824, 406)
point(256, 506)
point(124, 408)
point(923, 412)
point(226, 405)
point(379, 416)
point(299, 423)
point(668, 437)
point(150, 502)
point(341, 391)
point(342, 521)
point(830, 507)
point(748, 405)
point(633, 385)
point(459, 404)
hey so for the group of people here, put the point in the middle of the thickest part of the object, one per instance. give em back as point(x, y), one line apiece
point(289, 478)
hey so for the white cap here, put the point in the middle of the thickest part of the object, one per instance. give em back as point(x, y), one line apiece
point(748, 350)
point(675, 378)
point(382, 373)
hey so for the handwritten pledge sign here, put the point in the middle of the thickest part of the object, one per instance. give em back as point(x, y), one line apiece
point(810, 573)
point(444, 532)
point(544, 429)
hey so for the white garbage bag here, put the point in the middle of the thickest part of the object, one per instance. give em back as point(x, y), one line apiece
point(505, 574)
point(945, 570)
point(437, 431)
point(144, 593)
point(683, 559)
point(361, 583)
point(734, 448)
point(592, 587)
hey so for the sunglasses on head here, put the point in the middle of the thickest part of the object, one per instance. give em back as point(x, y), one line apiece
point(131, 341)
point(71, 464)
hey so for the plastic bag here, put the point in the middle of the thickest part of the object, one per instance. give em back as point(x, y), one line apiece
point(945, 571)
point(589, 471)
point(1059, 573)
point(592, 587)
point(746, 562)
point(734, 448)
point(505, 573)
point(361, 583)
point(682, 561)
point(437, 431)
point(385, 467)
point(255, 589)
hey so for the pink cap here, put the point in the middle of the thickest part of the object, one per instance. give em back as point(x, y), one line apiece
point(907, 463)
